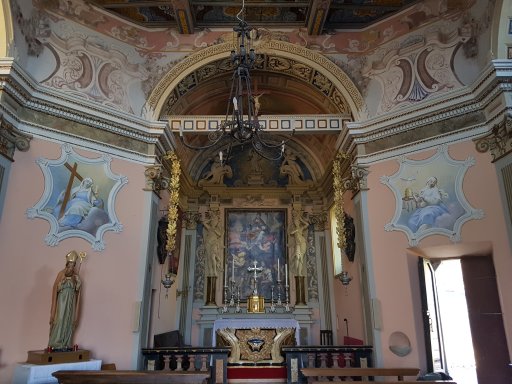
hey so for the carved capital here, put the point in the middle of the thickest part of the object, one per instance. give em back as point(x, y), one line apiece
point(499, 141)
point(155, 181)
point(191, 219)
point(12, 139)
point(319, 220)
point(358, 179)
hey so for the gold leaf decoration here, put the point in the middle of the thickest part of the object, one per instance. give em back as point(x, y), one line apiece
point(174, 196)
point(339, 190)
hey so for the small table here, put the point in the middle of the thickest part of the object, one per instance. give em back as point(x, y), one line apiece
point(42, 373)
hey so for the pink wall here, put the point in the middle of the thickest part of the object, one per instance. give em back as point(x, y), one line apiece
point(29, 266)
point(395, 280)
point(348, 298)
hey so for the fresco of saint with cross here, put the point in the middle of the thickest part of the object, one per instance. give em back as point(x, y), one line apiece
point(78, 197)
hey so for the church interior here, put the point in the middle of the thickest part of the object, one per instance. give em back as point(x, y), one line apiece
point(263, 180)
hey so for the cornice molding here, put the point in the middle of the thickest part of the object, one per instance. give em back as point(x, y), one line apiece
point(30, 96)
point(482, 102)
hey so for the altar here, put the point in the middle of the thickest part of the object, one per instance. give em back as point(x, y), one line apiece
point(255, 341)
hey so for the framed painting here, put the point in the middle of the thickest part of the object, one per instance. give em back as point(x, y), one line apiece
point(255, 236)
point(79, 198)
point(429, 197)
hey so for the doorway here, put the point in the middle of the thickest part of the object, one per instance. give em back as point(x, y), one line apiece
point(460, 302)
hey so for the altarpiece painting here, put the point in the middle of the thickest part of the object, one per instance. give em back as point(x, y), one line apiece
point(256, 235)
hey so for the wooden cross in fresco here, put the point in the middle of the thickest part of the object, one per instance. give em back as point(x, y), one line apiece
point(67, 194)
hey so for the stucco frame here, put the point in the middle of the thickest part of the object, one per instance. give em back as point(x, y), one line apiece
point(99, 170)
point(450, 175)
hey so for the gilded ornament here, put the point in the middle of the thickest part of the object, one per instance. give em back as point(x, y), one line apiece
point(339, 190)
point(173, 189)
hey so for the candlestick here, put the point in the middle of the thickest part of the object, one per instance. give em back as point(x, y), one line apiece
point(278, 272)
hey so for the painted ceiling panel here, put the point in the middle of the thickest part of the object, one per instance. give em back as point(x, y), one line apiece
point(350, 14)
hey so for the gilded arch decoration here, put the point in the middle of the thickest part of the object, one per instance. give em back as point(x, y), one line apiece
point(325, 75)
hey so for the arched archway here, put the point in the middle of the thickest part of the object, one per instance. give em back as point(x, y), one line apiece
point(326, 76)
point(6, 31)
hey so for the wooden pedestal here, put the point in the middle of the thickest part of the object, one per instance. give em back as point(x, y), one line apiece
point(43, 357)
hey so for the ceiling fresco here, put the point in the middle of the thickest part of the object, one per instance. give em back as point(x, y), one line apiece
point(318, 17)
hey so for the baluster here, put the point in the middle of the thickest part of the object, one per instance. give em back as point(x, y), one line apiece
point(179, 361)
point(311, 360)
point(192, 361)
point(167, 363)
point(335, 361)
point(323, 360)
point(204, 359)
point(348, 359)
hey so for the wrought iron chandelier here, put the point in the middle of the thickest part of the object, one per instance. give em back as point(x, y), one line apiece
point(241, 125)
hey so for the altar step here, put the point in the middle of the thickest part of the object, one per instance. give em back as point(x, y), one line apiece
point(256, 374)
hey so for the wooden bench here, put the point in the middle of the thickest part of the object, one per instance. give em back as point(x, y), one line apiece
point(314, 374)
point(391, 382)
point(131, 377)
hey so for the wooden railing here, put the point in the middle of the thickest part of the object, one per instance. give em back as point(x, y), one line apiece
point(188, 359)
point(325, 356)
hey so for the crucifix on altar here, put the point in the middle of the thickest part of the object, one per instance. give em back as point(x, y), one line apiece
point(255, 302)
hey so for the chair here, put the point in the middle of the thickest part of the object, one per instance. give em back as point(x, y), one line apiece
point(326, 337)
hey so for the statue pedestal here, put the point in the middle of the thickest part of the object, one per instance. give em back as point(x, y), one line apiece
point(211, 285)
point(26, 373)
point(300, 290)
point(43, 357)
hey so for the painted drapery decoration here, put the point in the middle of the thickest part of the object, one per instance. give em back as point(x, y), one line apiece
point(78, 198)
point(429, 197)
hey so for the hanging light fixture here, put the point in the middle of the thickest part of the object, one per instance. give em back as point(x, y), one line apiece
point(241, 125)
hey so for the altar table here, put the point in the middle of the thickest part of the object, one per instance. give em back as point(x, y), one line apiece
point(256, 341)
point(256, 323)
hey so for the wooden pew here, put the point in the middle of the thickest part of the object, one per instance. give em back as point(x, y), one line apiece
point(314, 374)
point(391, 382)
point(131, 377)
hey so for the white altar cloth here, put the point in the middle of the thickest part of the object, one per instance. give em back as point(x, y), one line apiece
point(42, 373)
point(255, 323)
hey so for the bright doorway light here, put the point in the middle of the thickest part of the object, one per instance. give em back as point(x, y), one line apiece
point(460, 357)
